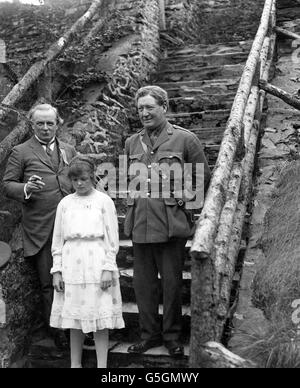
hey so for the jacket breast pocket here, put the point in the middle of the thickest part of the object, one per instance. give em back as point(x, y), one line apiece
point(169, 157)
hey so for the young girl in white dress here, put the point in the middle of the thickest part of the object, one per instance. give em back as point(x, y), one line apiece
point(87, 295)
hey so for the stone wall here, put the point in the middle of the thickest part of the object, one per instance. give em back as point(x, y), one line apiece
point(109, 113)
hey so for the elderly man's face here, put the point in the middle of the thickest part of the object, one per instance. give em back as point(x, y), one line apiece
point(44, 123)
point(150, 112)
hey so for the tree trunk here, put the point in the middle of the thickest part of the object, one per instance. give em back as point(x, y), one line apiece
point(222, 245)
point(36, 70)
point(283, 95)
point(208, 223)
point(44, 85)
point(15, 137)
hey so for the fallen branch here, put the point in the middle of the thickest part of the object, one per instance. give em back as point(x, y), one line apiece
point(286, 33)
point(15, 137)
point(19, 113)
point(215, 355)
point(55, 49)
point(277, 92)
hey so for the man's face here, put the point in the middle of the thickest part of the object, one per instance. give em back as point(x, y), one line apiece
point(150, 112)
point(44, 123)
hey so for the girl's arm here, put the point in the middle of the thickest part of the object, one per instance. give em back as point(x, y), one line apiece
point(57, 241)
point(111, 234)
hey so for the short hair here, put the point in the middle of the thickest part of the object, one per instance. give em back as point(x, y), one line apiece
point(159, 94)
point(80, 164)
point(44, 107)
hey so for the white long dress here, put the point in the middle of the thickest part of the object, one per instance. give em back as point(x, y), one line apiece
point(85, 243)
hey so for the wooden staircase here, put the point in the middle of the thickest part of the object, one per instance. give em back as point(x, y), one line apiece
point(201, 82)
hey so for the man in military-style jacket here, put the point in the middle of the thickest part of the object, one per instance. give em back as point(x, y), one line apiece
point(159, 219)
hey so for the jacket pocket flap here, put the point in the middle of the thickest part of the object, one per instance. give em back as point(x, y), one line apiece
point(172, 156)
point(136, 156)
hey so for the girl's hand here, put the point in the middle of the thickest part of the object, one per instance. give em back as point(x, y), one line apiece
point(106, 280)
point(58, 282)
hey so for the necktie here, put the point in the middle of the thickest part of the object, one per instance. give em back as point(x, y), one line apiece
point(48, 150)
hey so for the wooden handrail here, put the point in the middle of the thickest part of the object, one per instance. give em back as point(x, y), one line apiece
point(217, 239)
point(162, 15)
point(207, 226)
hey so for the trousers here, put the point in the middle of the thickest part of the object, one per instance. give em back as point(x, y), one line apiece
point(43, 262)
point(166, 259)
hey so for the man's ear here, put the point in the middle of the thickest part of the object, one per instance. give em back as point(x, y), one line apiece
point(165, 108)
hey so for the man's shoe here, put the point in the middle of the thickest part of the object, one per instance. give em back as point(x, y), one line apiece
point(143, 346)
point(175, 348)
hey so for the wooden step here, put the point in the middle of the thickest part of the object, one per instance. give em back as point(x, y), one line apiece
point(195, 59)
point(210, 84)
point(125, 256)
point(154, 358)
point(209, 118)
point(197, 102)
point(128, 295)
point(206, 72)
point(219, 48)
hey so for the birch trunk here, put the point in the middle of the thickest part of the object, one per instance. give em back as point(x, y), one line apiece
point(37, 69)
point(208, 223)
point(280, 93)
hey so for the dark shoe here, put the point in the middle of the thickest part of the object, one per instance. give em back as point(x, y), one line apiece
point(60, 340)
point(175, 348)
point(143, 346)
point(89, 343)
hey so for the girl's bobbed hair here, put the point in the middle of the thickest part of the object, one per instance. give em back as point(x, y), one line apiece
point(81, 164)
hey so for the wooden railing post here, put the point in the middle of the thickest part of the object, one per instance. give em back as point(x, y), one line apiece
point(2, 51)
point(213, 256)
point(162, 15)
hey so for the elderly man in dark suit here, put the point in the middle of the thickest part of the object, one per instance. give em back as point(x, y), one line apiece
point(160, 220)
point(36, 176)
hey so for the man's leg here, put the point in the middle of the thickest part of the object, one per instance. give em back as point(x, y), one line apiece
point(170, 259)
point(43, 261)
point(146, 287)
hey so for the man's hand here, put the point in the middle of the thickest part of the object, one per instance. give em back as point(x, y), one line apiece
point(34, 184)
point(106, 280)
point(58, 282)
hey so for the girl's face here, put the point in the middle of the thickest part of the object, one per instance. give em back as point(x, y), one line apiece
point(83, 184)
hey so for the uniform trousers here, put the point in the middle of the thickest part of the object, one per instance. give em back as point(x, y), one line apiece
point(149, 260)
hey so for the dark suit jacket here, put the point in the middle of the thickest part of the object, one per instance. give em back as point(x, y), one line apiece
point(151, 220)
point(38, 212)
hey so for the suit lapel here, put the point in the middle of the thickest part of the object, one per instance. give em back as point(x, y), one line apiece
point(63, 159)
point(39, 151)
